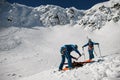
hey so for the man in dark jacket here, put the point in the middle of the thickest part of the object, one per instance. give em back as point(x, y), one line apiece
point(65, 53)
point(90, 45)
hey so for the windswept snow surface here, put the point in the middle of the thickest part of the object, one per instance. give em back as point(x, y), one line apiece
point(108, 69)
point(37, 53)
point(29, 51)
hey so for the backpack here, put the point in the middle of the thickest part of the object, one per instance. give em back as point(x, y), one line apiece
point(90, 45)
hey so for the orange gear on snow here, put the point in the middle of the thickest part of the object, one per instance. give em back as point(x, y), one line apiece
point(64, 69)
point(89, 60)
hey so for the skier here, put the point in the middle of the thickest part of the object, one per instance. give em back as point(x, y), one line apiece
point(90, 45)
point(65, 53)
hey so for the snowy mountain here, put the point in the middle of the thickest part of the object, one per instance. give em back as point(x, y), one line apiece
point(51, 15)
point(29, 49)
point(44, 15)
point(97, 16)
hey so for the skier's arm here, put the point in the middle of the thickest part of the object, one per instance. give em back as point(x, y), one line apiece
point(77, 52)
point(85, 45)
point(95, 43)
point(73, 57)
point(63, 50)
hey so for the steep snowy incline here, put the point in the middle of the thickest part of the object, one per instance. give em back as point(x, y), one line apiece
point(106, 69)
point(39, 48)
point(35, 51)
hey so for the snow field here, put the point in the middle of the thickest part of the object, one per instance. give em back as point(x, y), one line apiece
point(107, 68)
point(31, 52)
point(41, 46)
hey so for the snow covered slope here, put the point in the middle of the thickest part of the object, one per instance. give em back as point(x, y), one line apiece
point(29, 51)
point(108, 69)
point(34, 54)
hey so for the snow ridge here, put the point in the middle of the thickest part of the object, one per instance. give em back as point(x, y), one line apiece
point(51, 15)
point(98, 15)
point(44, 15)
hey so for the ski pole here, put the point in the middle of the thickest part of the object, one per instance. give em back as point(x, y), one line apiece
point(78, 57)
point(95, 53)
point(83, 53)
point(99, 51)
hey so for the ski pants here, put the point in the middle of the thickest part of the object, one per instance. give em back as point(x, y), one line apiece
point(69, 59)
point(91, 55)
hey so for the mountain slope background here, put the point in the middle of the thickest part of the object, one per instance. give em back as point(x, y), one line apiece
point(30, 40)
point(51, 15)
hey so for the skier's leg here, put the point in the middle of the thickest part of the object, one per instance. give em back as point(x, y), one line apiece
point(62, 62)
point(91, 55)
point(69, 60)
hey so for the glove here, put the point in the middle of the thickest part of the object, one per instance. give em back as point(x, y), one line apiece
point(76, 59)
point(82, 48)
point(98, 43)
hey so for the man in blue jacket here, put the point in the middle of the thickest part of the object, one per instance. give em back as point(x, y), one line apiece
point(65, 53)
point(90, 45)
